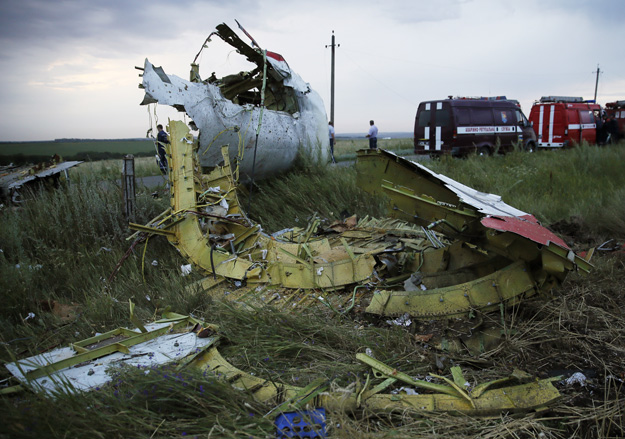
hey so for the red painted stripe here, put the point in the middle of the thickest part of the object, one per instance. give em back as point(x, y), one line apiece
point(526, 226)
point(275, 56)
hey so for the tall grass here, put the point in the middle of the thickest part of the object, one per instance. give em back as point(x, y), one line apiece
point(583, 184)
point(112, 169)
point(156, 402)
point(313, 188)
point(64, 245)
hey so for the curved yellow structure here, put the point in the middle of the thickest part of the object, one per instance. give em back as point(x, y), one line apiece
point(500, 255)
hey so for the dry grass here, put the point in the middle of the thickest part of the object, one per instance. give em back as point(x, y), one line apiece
point(78, 237)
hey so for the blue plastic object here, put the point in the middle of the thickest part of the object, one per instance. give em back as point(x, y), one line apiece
point(302, 424)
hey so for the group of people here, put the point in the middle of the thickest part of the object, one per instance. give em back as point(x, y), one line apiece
point(607, 129)
point(372, 135)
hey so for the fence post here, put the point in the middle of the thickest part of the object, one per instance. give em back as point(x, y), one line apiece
point(128, 187)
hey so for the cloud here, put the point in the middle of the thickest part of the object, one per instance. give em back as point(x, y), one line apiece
point(604, 12)
point(110, 26)
point(58, 57)
point(423, 11)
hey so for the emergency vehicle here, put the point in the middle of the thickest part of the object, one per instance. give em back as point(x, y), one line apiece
point(560, 121)
point(463, 125)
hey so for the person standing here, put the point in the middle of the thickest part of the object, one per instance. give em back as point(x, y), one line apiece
point(373, 135)
point(162, 139)
point(331, 132)
point(611, 129)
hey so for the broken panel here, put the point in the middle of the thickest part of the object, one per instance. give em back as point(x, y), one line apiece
point(276, 113)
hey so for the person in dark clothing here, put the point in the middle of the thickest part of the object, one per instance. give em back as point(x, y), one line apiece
point(599, 127)
point(331, 134)
point(162, 139)
point(611, 129)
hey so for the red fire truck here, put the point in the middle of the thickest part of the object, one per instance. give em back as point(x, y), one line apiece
point(560, 121)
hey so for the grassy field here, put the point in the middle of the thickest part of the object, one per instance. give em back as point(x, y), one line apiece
point(345, 149)
point(64, 245)
point(24, 152)
point(112, 168)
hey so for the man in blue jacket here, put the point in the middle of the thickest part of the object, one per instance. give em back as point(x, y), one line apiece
point(162, 139)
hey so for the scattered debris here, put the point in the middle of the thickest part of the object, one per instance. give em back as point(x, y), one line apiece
point(461, 251)
point(186, 269)
point(30, 315)
point(187, 342)
point(16, 180)
point(576, 378)
point(86, 364)
point(301, 424)
point(403, 320)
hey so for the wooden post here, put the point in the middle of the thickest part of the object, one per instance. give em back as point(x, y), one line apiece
point(128, 187)
point(333, 46)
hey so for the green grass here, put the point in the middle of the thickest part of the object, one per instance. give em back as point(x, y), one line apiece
point(584, 184)
point(112, 168)
point(64, 245)
point(292, 199)
point(345, 149)
point(25, 152)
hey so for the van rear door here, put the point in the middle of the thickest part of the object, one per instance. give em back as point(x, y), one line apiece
point(422, 124)
point(587, 126)
point(433, 129)
point(551, 124)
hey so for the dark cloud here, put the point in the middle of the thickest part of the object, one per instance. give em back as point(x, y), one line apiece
point(37, 20)
point(606, 12)
point(112, 25)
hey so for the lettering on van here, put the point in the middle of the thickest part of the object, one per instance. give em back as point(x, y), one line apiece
point(488, 129)
point(583, 126)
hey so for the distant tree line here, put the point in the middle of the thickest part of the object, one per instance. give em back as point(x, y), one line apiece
point(87, 156)
point(73, 140)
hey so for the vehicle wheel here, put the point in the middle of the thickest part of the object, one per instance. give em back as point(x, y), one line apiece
point(530, 147)
point(483, 150)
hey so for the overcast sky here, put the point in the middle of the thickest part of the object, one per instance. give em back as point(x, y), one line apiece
point(67, 66)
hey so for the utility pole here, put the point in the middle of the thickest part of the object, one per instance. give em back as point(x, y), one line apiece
point(597, 82)
point(333, 46)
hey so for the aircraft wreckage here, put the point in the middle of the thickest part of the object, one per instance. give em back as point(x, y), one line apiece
point(449, 250)
point(231, 110)
point(446, 251)
point(18, 181)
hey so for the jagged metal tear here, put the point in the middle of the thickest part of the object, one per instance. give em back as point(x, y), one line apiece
point(222, 122)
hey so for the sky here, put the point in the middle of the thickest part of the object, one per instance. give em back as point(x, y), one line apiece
point(67, 66)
